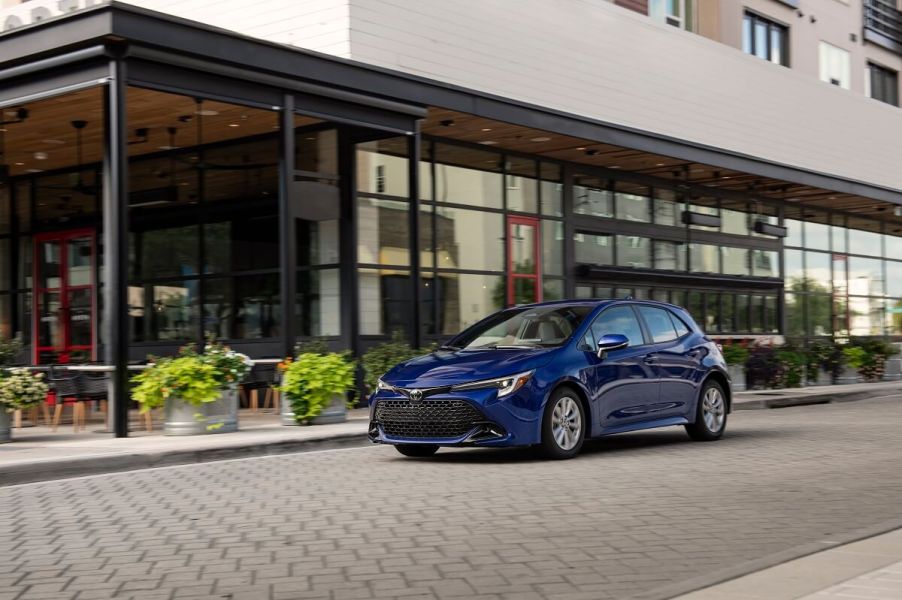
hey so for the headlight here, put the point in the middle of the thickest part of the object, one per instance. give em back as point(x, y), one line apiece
point(382, 385)
point(505, 385)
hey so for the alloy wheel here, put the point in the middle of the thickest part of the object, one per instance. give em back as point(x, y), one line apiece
point(713, 409)
point(566, 423)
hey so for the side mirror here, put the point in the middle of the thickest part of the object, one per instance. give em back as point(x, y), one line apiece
point(611, 341)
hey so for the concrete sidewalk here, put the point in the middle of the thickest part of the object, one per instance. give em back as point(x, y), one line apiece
point(37, 454)
point(868, 569)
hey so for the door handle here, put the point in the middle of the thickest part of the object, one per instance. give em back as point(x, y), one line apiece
point(694, 353)
point(650, 359)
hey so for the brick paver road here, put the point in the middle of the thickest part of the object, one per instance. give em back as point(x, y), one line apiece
point(634, 513)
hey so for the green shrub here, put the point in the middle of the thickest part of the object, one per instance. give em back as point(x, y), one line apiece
point(312, 380)
point(793, 364)
point(735, 354)
point(379, 359)
point(186, 377)
point(9, 349)
point(855, 356)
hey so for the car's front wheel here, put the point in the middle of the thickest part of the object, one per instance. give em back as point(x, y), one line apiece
point(710, 414)
point(563, 425)
point(417, 450)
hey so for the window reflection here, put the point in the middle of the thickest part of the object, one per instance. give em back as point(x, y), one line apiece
point(633, 251)
point(670, 256)
point(735, 261)
point(704, 258)
point(593, 249)
point(592, 196)
point(865, 276)
point(383, 232)
point(469, 239)
point(552, 247)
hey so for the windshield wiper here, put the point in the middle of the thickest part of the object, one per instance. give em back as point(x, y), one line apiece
point(448, 347)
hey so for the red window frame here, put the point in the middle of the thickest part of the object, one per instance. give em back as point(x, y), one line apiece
point(535, 276)
point(62, 238)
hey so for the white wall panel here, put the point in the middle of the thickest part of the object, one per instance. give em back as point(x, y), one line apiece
point(592, 58)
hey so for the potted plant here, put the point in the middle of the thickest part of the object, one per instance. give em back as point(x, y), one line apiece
point(198, 391)
point(19, 389)
point(314, 388)
point(736, 355)
point(821, 363)
point(854, 358)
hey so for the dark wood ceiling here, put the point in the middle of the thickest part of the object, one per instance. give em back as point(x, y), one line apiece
point(516, 138)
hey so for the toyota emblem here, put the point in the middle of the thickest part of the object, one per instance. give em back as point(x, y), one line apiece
point(415, 395)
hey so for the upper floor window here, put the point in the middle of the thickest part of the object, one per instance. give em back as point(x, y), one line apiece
point(678, 13)
point(835, 66)
point(883, 84)
point(765, 39)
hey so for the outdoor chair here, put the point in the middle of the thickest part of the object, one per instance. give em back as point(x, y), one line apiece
point(261, 377)
point(65, 391)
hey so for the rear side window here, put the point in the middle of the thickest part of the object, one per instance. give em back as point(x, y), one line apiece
point(659, 324)
point(618, 319)
point(681, 328)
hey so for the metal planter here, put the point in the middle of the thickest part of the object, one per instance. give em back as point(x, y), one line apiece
point(220, 416)
point(335, 412)
point(737, 377)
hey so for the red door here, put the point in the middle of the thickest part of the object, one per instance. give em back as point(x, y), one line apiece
point(523, 263)
point(65, 305)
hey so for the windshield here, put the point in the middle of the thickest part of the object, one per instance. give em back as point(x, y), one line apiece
point(531, 327)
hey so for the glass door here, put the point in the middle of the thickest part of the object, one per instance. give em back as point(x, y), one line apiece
point(523, 282)
point(65, 307)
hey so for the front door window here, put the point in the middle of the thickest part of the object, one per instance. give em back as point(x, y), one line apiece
point(65, 303)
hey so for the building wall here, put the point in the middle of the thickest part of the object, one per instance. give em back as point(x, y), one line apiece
point(687, 87)
point(833, 21)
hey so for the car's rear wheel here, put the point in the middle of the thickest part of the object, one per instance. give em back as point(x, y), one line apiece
point(417, 450)
point(710, 414)
point(563, 425)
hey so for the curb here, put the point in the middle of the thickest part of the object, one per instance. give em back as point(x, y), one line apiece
point(56, 470)
point(695, 584)
point(804, 400)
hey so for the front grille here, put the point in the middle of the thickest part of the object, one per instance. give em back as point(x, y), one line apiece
point(427, 419)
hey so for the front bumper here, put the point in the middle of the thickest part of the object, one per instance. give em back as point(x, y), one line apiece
point(472, 418)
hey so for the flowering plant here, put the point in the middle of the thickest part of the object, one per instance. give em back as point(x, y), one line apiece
point(20, 388)
point(230, 367)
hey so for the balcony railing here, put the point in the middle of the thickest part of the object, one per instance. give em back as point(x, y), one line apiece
point(883, 24)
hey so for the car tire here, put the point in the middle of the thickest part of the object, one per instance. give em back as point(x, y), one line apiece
point(710, 414)
point(563, 425)
point(417, 450)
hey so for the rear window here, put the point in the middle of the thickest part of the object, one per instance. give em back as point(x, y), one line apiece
point(659, 324)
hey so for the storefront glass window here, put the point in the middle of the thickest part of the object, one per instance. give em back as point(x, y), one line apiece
point(865, 276)
point(670, 256)
point(469, 239)
point(521, 185)
point(552, 247)
point(592, 196)
point(467, 176)
point(632, 202)
point(383, 232)
point(735, 261)
point(593, 249)
point(704, 258)
point(633, 251)
point(552, 190)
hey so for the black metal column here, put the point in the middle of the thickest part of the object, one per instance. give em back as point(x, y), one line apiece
point(115, 246)
point(413, 187)
point(569, 230)
point(347, 228)
point(287, 241)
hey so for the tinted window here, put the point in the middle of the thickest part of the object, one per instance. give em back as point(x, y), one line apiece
point(659, 324)
point(619, 319)
point(681, 328)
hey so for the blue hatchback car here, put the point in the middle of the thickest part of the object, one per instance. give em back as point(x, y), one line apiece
point(554, 374)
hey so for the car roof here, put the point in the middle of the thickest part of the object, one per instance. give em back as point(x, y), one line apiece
point(596, 302)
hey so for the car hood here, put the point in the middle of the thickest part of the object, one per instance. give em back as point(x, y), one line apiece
point(448, 368)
